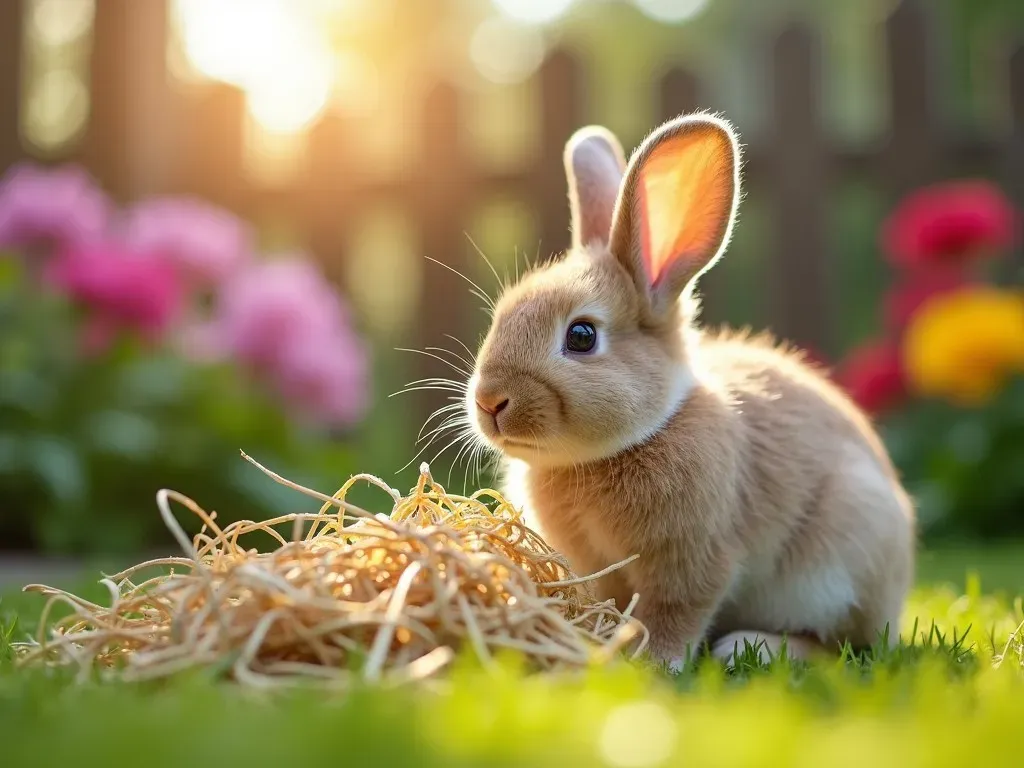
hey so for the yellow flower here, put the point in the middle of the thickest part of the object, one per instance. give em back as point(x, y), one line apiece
point(963, 345)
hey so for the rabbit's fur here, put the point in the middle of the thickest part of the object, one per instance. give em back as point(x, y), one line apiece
point(759, 498)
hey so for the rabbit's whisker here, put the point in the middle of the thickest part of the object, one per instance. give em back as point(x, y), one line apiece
point(478, 290)
point(444, 426)
point(461, 436)
point(430, 388)
point(456, 355)
point(461, 343)
point(502, 285)
point(428, 353)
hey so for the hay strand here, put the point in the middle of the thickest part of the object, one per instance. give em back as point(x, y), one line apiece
point(382, 598)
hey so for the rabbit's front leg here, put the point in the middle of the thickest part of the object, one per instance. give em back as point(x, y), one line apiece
point(679, 599)
point(585, 561)
point(677, 627)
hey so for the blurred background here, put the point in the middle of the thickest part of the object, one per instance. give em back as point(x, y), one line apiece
point(215, 218)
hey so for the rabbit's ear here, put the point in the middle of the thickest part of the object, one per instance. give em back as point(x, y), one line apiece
point(594, 164)
point(677, 204)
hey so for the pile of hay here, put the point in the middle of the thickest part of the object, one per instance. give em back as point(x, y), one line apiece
point(345, 595)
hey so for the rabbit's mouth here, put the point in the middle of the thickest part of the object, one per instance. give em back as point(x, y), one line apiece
point(514, 442)
point(522, 450)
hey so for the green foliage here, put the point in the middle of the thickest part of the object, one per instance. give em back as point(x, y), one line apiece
point(7, 629)
point(85, 443)
point(940, 698)
point(963, 466)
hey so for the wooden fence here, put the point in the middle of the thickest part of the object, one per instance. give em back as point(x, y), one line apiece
point(794, 171)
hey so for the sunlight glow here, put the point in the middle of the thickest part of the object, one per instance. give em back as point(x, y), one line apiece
point(671, 11)
point(58, 105)
point(638, 735)
point(506, 52)
point(55, 97)
point(59, 22)
point(357, 83)
point(533, 11)
point(293, 100)
point(271, 49)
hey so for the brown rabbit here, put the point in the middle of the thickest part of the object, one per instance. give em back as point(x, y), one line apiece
point(759, 498)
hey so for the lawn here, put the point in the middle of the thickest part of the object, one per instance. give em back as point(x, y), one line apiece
point(937, 700)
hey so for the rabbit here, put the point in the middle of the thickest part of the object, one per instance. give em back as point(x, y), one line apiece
point(761, 501)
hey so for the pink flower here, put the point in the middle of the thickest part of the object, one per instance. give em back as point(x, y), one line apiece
point(872, 375)
point(326, 381)
point(270, 306)
point(952, 222)
point(123, 290)
point(40, 206)
point(207, 244)
point(904, 299)
point(286, 323)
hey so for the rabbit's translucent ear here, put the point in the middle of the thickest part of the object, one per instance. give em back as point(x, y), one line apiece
point(677, 205)
point(594, 164)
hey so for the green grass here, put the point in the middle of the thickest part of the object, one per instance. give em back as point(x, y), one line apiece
point(1000, 565)
point(936, 700)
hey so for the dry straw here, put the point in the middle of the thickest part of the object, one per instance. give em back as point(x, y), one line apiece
point(354, 595)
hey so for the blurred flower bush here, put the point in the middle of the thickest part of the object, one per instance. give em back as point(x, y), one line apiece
point(142, 349)
point(945, 379)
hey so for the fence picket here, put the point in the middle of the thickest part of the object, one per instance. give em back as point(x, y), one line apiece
point(11, 39)
point(912, 154)
point(126, 142)
point(210, 146)
point(441, 196)
point(1014, 175)
point(325, 200)
point(797, 187)
point(562, 110)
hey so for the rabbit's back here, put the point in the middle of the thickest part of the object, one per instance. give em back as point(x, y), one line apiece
point(829, 528)
point(786, 402)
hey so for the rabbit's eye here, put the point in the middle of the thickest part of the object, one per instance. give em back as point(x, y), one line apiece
point(581, 337)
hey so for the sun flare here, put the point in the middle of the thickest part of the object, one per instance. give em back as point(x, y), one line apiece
point(273, 49)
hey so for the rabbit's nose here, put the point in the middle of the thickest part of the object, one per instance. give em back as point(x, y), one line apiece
point(492, 403)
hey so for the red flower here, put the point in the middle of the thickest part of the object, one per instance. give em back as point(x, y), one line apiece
point(124, 290)
point(951, 222)
point(872, 375)
point(904, 299)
